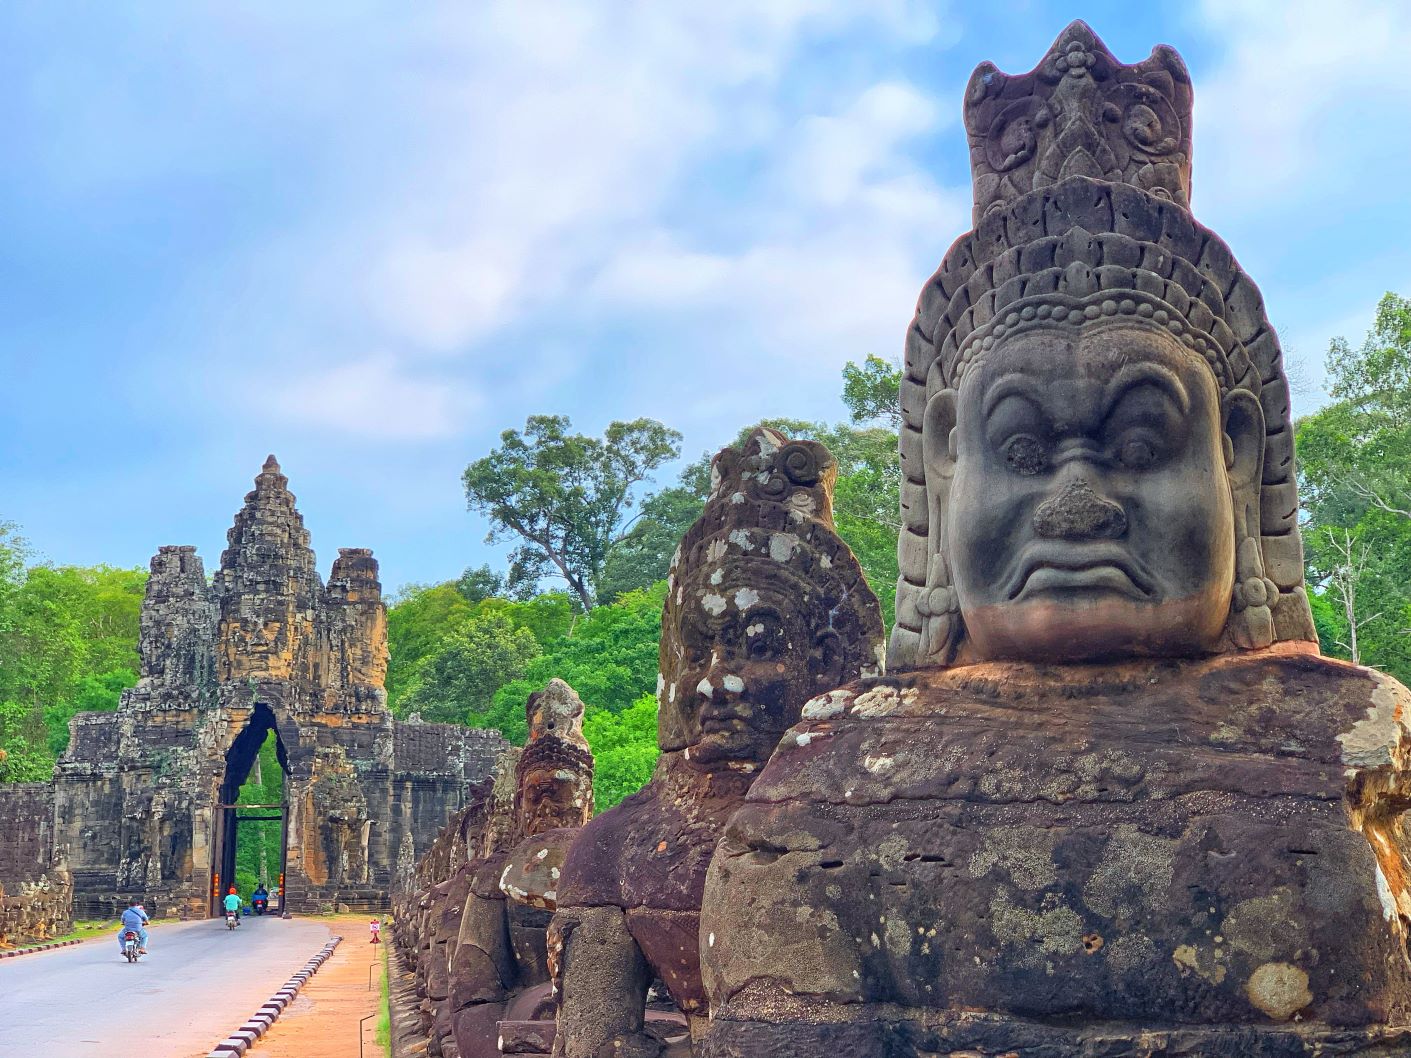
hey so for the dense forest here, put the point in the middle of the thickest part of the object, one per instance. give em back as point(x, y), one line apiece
point(584, 520)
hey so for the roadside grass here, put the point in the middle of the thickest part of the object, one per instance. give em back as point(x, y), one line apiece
point(384, 1016)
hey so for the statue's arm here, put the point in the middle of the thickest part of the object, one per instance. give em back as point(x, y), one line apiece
point(602, 981)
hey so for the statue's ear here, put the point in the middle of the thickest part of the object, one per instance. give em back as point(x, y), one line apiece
point(826, 660)
point(938, 436)
point(1243, 441)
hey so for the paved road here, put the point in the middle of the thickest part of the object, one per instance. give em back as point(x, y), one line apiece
point(200, 982)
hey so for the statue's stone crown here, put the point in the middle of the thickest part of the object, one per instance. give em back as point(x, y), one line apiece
point(1080, 112)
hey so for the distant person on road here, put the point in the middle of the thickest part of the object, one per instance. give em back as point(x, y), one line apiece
point(135, 919)
point(232, 902)
point(259, 899)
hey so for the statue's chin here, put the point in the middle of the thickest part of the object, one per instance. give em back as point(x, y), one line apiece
point(1093, 624)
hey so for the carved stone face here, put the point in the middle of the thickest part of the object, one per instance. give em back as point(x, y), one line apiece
point(550, 798)
point(750, 662)
point(1090, 510)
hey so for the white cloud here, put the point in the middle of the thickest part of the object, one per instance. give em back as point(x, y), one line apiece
point(1304, 92)
point(373, 398)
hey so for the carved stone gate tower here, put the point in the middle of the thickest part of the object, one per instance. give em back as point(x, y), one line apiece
point(141, 794)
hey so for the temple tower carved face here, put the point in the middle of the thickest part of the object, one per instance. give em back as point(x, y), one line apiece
point(1093, 474)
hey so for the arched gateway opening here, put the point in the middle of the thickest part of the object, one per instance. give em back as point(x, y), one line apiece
point(252, 818)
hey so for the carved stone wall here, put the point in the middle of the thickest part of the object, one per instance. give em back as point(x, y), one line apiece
point(265, 646)
point(36, 899)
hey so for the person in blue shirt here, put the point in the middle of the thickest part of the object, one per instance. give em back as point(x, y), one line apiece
point(135, 919)
point(232, 902)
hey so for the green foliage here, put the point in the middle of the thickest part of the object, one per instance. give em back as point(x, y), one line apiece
point(68, 638)
point(1355, 475)
point(610, 659)
point(872, 392)
point(563, 497)
point(458, 681)
point(257, 851)
point(643, 556)
point(420, 617)
point(624, 749)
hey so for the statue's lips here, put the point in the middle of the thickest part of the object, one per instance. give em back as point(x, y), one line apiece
point(1085, 569)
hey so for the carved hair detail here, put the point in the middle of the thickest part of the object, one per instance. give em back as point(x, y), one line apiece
point(1084, 218)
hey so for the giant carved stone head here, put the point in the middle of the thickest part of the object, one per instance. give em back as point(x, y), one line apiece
point(1096, 449)
point(766, 608)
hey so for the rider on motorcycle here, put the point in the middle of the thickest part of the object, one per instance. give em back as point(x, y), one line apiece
point(135, 919)
point(259, 899)
point(232, 902)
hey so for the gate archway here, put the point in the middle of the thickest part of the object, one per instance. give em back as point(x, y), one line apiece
point(240, 760)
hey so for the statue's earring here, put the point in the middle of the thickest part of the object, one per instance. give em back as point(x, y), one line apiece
point(940, 612)
point(1251, 602)
point(1251, 623)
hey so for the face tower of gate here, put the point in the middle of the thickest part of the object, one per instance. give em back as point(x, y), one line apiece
point(141, 796)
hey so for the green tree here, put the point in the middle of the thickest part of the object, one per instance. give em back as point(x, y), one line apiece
point(624, 749)
point(471, 663)
point(610, 659)
point(872, 392)
point(1355, 473)
point(419, 618)
point(565, 498)
point(643, 555)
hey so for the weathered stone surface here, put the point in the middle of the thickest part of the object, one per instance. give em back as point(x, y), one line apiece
point(265, 646)
point(1110, 803)
point(36, 891)
point(501, 950)
point(1157, 845)
point(767, 607)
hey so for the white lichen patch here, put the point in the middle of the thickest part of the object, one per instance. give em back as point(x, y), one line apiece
point(737, 498)
point(733, 683)
point(826, 561)
point(782, 546)
point(879, 701)
point(717, 549)
point(1384, 894)
point(717, 577)
point(713, 604)
point(741, 539)
point(827, 706)
point(745, 598)
point(879, 763)
point(1279, 989)
point(704, 687)
point(1025, 853)
point(1372, 742)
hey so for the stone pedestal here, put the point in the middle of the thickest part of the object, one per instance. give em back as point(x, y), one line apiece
point(1156, 858)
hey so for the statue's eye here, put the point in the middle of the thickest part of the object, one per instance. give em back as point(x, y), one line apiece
point(1026, 455)
point(764, 635)
point(1136, 453)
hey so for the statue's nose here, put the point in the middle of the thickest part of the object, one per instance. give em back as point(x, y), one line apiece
point(1079, 513)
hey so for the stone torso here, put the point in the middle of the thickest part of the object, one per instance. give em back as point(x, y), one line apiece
point(649, 857)
point(1086, 853)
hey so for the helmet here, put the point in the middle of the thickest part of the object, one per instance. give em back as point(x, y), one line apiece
point(232, 888)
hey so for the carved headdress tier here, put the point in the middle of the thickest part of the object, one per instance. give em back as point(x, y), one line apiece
point(1080, 112)
point(1081, 175)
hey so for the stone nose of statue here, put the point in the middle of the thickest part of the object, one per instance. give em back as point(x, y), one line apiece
point(1079, 513)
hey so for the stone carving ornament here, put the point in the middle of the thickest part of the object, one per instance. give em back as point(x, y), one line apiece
point(1109, 801)
point(766, 608)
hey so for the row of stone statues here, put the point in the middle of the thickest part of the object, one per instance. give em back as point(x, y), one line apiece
point(1107, 801)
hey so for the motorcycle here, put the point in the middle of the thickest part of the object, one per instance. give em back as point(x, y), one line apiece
point(130, 949)
point(231, 920)
point(261, 905)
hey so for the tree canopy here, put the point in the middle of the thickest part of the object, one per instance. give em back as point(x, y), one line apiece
point(1355, 472)
point(564, 498)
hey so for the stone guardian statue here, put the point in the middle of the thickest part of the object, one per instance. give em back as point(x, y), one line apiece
point(1109, 801)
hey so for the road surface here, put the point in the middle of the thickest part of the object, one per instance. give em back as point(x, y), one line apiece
point(200, 982)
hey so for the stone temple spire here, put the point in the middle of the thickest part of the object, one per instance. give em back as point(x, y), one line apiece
point(268, 585)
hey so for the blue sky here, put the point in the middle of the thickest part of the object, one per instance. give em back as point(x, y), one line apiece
point(369, 237)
